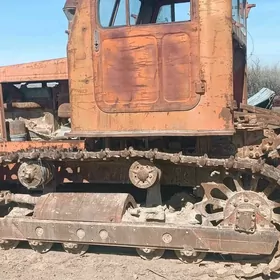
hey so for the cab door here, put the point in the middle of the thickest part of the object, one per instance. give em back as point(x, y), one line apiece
point(146, 55)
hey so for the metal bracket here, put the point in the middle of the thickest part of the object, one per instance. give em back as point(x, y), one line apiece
point(245, 221)
point(96, 40)
point(200, 87)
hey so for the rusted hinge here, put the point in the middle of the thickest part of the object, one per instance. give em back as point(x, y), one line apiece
point(200, 87)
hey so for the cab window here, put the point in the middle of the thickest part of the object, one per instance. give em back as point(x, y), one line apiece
point(174, 12)
point(112, 13)
point(115, 13)
point(239, 12)
point(239, 16)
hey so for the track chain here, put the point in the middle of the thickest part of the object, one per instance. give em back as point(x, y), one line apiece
point(256, 166)
point(232, 163)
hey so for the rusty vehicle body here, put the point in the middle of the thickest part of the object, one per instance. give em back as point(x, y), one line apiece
point(142, 138)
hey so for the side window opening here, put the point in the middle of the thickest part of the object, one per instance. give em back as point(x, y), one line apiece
point(164, 14)
point(174, 12)
point(146, 12)
point(239, 14)
point(239, 11)
point(183, 11)
point(134, 10)
point(235, 10)
point(243, 6)
point(113, 12)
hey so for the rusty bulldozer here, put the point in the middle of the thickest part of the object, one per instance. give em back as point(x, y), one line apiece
point(142, 137)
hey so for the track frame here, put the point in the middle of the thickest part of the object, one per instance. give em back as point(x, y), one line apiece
point(152, 235)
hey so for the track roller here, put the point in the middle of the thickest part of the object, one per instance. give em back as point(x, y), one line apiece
point(40, 247)
point(190, 256)
point(150, 254)
point(74, 248)
point(34, 175)
point(144, 174)
point(8, 244)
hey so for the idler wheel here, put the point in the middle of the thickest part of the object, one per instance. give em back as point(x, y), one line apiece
point(34, 175)
point(74, 248)
point(190, 256)
point(8, 244)
point(40, 247)
point(143, 174)
point(150, 254)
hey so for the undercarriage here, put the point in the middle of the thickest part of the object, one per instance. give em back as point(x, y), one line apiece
point(195, 205)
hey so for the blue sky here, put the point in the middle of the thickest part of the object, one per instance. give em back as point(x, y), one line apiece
point(34, 30)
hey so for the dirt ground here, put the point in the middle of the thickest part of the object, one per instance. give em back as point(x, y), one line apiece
point(105, 263)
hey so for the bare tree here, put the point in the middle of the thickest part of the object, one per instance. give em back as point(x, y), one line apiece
point(260, 76)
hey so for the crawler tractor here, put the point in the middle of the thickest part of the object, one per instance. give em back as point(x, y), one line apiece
point(143, 138)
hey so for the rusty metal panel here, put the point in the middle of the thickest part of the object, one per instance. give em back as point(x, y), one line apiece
point(17, 131)
point(85, 207)
point(32, 145)
point(154, 73)
point(48, 70)
point(64, 110)
point(211, 61)
point(177, 70)
point(22, 105)
point(129, 74)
